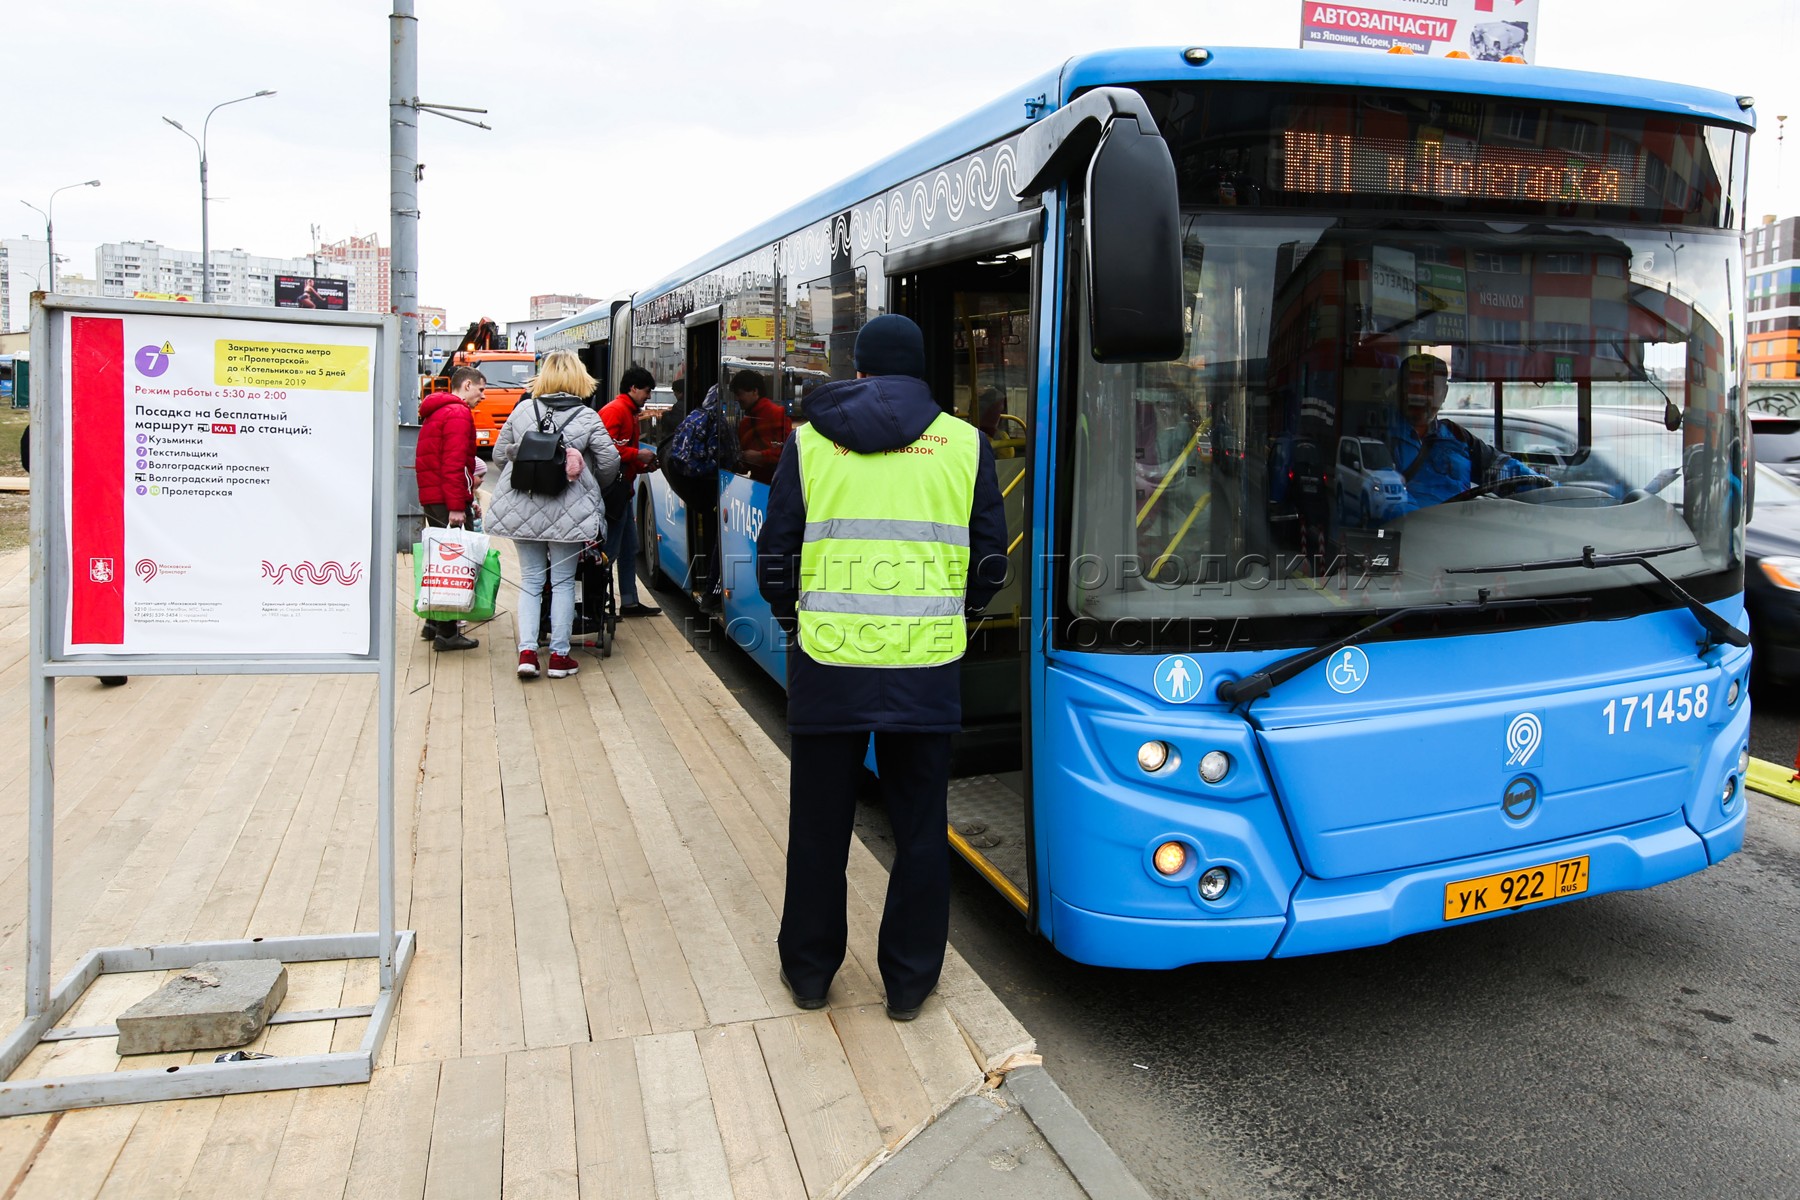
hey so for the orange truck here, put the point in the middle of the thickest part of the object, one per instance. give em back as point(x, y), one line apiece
point(506, 371)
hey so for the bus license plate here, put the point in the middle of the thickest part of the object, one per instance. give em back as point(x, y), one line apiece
point(1515, 889)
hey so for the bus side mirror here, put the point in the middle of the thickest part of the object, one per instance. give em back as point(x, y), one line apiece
point(1133, 249)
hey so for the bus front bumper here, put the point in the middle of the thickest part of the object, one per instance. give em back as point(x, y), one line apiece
point(1327, 915)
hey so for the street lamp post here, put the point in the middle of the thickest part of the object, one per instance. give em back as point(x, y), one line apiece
point(50, 225)
point(200, 145)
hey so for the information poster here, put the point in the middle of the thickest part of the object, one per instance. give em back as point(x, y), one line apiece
point(218, 483)
point(1485, 29)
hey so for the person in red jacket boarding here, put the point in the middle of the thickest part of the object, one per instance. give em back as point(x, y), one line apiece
point(621, 418)
point(444, 465)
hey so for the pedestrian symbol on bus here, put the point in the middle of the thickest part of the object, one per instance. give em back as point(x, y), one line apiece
point(1178, 679)
point(1347, 670)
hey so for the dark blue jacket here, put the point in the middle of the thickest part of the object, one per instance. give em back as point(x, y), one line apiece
point(884, 412)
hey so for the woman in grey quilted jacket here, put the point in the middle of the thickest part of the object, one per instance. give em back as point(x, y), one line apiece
point(549, 531)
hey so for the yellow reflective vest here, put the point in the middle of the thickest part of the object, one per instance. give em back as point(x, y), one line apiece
point(884, 566)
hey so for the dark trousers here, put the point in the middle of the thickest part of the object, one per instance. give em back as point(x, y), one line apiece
point(915, 775)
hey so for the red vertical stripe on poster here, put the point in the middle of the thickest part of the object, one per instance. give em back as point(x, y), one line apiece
point(97, 476)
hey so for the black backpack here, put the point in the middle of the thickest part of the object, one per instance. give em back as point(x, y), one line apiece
point(540, 462)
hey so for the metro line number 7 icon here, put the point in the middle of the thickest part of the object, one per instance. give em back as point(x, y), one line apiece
point(153, 360)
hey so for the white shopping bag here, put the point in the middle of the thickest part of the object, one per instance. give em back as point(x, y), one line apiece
point(453, 559)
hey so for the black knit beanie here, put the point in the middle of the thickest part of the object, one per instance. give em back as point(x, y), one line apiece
point(891, 345)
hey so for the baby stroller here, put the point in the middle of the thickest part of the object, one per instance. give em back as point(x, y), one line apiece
point(598, 619)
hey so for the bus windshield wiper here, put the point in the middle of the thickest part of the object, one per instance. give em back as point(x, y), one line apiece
point(1261, 683)
point(1718, 629)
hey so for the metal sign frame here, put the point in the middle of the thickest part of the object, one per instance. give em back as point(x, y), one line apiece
point(49, 661)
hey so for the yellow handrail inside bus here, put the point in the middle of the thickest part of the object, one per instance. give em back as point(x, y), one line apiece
point(1168, 478)
point(1175, 542)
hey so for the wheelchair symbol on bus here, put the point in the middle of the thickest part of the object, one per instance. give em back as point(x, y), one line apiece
point(1178, 679)
point(1347, 670)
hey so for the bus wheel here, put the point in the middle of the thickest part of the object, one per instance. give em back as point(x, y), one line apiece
point(653, 571)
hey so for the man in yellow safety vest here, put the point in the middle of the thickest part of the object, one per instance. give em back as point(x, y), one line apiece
point(885, 529)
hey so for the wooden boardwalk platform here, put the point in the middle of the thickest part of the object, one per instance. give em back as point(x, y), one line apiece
point(593, 867)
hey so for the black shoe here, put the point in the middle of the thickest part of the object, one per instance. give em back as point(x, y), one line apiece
point(113, 680)
point(907, 1014)
point(644, 610)
point(429, 632)
point(456, 641)
point(808, 1002)
point(711, 603)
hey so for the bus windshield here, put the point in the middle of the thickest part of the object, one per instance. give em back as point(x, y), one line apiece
point(1376, 408)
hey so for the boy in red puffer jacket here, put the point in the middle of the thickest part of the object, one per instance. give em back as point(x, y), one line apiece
point(444, 465)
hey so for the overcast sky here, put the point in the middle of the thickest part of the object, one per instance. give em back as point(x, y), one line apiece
point(629, 139)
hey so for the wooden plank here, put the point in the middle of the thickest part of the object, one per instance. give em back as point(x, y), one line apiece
point(612, 1149)
point(659, 968)
point(826, 1117)
point(890, 1083)
point(749, 1117)
point(429, 1024)
point(540, 1126)
point(75, 1161)
point(700, 817)
point(96, 898)
point(992, 1030)
point(22, 1137)
point(686, 1152)
point(162, 1150)
point(165, 810)
point(466, 1134)
point(555, 1009)
point(493, 1020)
point(289, 880)
point(314, 1159)
point(394, 1139)
point(240, 1147)
point(717, 965)
point(941, 1058)
point(255, 797)
point(609, 979)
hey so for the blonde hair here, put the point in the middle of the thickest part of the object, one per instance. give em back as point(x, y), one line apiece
point(562, 372)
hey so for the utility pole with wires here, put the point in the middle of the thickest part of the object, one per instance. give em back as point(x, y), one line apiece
point(405, 170)
point(314, 231)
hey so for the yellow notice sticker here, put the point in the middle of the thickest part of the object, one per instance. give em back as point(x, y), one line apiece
point(294, 365)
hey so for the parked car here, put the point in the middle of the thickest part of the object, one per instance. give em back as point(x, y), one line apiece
point(1772, 577)
point(1777, 443)
point(1369, 489)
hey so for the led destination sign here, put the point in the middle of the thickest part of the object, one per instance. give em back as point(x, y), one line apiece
point(1347, 164)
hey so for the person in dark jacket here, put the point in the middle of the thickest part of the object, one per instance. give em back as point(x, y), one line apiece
point(882, 485)
point(444, 465)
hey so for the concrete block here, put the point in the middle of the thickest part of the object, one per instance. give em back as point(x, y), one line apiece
point(206, 1007)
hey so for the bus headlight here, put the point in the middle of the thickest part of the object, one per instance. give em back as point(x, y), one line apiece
point(1170, 857)
point(1153, 756)
point(1214, 883)
point(1214, 765)
point(1744, 759)
point(1732, 693)
point(1728, 796)
point(1783, 572)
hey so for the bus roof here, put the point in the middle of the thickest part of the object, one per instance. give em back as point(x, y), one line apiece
point(594, 311)
point(1330, 68)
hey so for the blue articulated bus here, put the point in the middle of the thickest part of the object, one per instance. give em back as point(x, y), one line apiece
point(1255, 689)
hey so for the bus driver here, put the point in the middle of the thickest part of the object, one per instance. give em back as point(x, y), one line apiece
point(1439, 459)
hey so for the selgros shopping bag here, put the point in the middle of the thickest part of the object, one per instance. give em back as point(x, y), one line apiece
point(487, 589)
point(453, 559)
